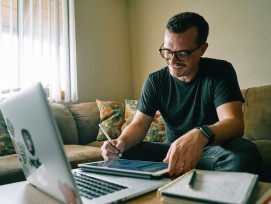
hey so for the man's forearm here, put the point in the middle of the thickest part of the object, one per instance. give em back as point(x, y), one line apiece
point(227, 129)
point(132, 135)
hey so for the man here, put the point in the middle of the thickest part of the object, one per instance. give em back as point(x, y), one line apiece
point(201, 104)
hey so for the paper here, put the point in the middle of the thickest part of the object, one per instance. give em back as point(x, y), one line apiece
point(222, 187)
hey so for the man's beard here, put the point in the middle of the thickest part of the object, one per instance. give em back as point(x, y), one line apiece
point(178, 69)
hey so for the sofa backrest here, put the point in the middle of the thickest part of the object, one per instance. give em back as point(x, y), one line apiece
point(87, 118)
point(66, 123)
point(257, 117)
point(78, 122)
point(257, 112)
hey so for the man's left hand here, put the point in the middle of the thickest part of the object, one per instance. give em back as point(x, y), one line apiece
point(184, 153)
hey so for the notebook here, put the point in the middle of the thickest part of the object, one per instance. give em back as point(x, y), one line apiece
point(39, 146)
point(210, 187)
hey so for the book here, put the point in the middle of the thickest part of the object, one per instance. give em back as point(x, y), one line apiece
point(266, 198)
point(210, 187)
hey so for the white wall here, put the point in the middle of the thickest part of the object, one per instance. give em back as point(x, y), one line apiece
point(239, 32)
point(103, 50)
point(118, 41)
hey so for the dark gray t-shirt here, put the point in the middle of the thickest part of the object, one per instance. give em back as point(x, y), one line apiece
point(185, 106)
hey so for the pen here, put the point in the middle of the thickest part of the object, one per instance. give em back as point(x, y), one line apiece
point(192, 179)
point(109, 139)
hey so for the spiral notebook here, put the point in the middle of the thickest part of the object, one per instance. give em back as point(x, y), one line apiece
point(210, 187)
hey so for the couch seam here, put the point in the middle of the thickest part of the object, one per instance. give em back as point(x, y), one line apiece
point(246, 103)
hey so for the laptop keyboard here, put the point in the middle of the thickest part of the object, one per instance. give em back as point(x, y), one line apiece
point(91, 187)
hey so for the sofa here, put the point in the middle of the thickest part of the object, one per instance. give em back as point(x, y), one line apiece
point(78, 125)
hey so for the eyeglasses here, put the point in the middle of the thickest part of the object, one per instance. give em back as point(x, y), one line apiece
point(181, 55)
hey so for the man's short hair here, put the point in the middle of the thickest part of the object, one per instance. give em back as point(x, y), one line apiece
point(183, 21)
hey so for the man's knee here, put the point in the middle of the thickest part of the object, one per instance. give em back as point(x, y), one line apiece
point(244, 155)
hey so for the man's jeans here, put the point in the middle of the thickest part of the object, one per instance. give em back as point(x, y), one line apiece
point(238, 155)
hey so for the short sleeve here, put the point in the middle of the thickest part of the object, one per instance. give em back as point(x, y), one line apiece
point(147, 102)
point(227, 88)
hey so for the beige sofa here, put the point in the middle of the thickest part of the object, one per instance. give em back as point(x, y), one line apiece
point(78, 124)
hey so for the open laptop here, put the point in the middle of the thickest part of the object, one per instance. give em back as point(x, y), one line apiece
point(39, 146)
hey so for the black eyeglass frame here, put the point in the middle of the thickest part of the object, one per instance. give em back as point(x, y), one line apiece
point(187, 52)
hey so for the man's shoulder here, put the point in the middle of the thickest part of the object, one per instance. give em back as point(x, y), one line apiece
point(161, 73)
point(215, 66)
point(212, 62)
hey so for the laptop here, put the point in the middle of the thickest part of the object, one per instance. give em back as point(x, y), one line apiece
point(39, 146)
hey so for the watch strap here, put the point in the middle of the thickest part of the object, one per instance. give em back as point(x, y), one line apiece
point(208, 133)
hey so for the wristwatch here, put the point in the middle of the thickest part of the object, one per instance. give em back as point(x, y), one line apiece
point(208, 133)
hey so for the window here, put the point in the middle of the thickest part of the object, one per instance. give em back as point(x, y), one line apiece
point(37, 43)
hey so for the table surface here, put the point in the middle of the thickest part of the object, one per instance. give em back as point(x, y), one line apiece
point(25, 193)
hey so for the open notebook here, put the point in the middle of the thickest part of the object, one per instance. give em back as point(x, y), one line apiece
point(210, 187)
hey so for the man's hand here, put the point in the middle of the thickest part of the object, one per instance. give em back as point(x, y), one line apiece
point(184, 153)
point(109, 152)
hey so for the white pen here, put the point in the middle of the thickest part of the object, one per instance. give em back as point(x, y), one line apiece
point(109, 139)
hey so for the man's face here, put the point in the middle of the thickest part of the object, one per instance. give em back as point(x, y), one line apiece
point(184, 70)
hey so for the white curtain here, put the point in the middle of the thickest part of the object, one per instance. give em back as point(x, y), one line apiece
point(37, 40)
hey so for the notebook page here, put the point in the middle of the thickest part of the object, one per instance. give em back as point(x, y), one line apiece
point(227, 187)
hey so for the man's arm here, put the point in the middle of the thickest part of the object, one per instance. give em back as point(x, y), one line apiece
point(181, 157)
point(136, 131)
point(230, 124)
point(131, 136)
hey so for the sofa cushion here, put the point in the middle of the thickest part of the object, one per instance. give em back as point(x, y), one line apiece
point(96, 144)
point(10, 169)
point(86, 116)
point(112, 118)
point(257, 113)
point(65, 122)
point(78, 154)
point(156, 132)
point(264, 147)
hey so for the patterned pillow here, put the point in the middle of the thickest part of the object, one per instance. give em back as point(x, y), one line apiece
point(112, 118)
point(156, 132)
point(6, 145)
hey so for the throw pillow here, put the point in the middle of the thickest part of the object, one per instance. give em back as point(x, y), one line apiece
point(156, 132)
point(112, 118)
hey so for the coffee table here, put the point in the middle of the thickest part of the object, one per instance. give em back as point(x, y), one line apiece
point(25, 193)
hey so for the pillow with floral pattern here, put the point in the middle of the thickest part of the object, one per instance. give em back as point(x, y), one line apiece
point(112, 118)
point(6, 145)
point(156, 132)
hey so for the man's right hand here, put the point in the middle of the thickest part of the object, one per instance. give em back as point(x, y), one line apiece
point(111, 153)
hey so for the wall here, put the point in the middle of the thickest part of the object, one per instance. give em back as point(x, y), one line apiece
point(103, 50)
point(118, 41)
point(239, 32)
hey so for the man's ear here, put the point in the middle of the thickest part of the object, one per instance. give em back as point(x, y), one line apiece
point(203, 48)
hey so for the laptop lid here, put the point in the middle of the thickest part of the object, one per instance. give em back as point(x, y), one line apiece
point(38, 143)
